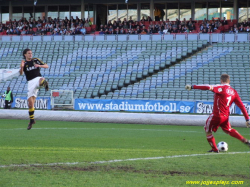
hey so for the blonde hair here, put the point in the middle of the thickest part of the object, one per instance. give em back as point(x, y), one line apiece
point(225, 78)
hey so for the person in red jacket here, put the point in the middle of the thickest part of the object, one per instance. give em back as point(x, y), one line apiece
point(224, 96)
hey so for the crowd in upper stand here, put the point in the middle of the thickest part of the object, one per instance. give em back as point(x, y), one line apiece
point(147, 26)
point(43, 26)
point(73, 26)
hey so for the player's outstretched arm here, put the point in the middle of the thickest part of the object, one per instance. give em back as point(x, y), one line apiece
point(199, 87)
point(21, 67)
point(41, 65)
point(45, 66)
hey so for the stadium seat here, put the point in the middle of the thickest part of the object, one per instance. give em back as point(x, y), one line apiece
point(88, 30)
point(93, 28)
point(134, 69)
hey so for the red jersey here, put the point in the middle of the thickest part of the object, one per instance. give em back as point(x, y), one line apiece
point(224, 96)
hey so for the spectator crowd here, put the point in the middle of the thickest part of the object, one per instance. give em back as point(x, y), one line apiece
point(147, 26)
point(43, 26)
point(56, 26)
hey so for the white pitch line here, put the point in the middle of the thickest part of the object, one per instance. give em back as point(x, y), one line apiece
point(122, 160)
point(101, 129)
point(159, 130)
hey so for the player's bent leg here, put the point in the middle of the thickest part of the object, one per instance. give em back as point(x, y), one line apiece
point(209, 126)
point(212, 143)
point(226, 127)
point(247, 143)
point(31, 102)
point(44, 83)
point(234, 133)
point(41, 80)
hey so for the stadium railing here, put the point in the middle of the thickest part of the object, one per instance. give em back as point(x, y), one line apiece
point(213, 37)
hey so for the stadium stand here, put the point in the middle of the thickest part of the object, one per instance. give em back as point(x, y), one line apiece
point(79, 26)
point(131, 70)
point(202, 68)
point(47, 26)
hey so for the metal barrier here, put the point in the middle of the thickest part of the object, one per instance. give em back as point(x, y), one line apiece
point(213, 37)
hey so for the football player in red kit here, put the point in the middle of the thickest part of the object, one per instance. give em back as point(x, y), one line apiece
point(224, 96)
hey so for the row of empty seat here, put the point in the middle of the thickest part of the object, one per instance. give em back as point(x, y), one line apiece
point(131, 70)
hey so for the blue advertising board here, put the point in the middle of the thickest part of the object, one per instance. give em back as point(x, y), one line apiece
point(198, 107)
point(134, 105)
point(206, 107)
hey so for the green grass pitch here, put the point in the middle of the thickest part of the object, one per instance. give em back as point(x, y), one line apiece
point(56, 153)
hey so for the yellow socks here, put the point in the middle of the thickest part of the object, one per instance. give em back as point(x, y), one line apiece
point(31, 113)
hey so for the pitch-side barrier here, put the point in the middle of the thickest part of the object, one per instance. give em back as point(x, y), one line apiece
point(117, 117)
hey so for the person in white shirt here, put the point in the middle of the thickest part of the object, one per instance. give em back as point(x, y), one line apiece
point(247, 29)
point(48, 25)
point(39, 24)
point(20, 27)
point(165, 31)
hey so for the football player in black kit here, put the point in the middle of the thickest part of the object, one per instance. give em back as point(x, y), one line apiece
point(31, 68)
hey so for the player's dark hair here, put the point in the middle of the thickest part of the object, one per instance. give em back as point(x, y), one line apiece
point(225, 78)
point(25, 52)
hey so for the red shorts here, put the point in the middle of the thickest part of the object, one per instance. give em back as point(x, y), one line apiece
point(214, 122)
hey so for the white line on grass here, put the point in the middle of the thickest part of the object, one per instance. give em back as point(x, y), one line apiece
point(123, 160)
point(112, 129)
point(101, 129)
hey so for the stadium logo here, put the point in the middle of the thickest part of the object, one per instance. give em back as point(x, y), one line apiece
point(207, 108)
point(203, 108)
point(39, 104)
